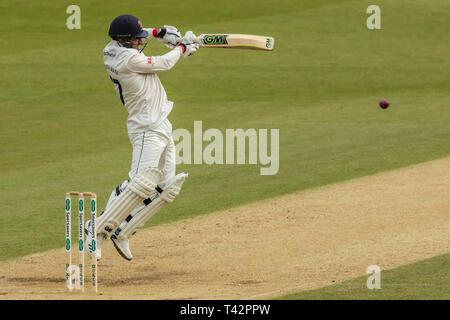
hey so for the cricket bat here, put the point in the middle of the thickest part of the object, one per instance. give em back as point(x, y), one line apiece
point(236, 41)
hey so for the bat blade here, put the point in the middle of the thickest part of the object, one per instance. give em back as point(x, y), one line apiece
point(236, 41)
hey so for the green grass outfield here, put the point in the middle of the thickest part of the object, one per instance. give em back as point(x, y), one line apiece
point(63, 126)
point(428, 279)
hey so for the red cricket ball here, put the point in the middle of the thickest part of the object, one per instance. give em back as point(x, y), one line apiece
point(384, 103)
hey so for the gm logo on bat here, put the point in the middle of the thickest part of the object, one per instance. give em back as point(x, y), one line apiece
point(215, 39)
point(269, 43)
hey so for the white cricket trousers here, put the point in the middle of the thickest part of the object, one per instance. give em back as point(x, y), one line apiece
point(154, 148)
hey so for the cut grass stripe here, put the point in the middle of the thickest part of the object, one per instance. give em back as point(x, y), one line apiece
point(427, 279)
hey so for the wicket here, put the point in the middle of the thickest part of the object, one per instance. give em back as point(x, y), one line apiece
point(78, 271)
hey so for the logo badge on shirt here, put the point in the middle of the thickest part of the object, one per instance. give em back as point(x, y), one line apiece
point(150, 60)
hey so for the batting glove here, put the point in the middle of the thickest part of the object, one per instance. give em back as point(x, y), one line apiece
point(189, 44)
point(170, 36)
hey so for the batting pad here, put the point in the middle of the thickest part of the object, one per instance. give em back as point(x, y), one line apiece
point(141, 217)
point(141, 187)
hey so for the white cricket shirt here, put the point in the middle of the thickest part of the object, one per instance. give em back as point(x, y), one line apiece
point(138, 86)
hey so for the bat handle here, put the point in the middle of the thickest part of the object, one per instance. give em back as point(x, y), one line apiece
point(196, 40)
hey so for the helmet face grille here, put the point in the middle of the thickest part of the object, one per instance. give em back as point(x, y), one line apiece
point(125, 40)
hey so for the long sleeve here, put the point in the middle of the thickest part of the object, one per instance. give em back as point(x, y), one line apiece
point(152, 32)
point(142, 64)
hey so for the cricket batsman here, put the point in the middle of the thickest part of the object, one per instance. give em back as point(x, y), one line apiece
point(152, 182)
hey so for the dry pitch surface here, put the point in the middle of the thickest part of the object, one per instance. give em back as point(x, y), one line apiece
point(286, 244)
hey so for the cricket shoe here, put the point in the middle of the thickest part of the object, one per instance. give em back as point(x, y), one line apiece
point(89, 237)
point(122, 246)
